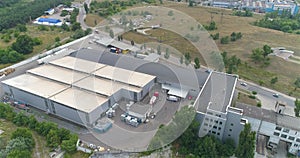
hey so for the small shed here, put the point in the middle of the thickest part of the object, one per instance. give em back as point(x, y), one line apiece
point(140, 111)
point(174, 91)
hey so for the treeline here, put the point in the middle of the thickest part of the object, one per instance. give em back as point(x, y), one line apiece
point(8, 3)
point(54, 136)
point(283, 21)
point(107, 8)
point(190, 145)
point(246, 13)
point(20, 13)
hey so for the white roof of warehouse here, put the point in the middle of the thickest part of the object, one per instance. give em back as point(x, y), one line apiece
point(124, 76)
point(58, 74)
point(104, 86)
point(77, 64)
point(36, 85)
point(79, 99)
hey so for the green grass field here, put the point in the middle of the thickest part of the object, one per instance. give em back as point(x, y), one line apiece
point(253, 37)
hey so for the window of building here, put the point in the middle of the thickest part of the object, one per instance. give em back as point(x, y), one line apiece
point(205, 124)
point(219, 128)
point(218, 133)
point(291, 138)
point(215, 127)
point(278, 128)
point(205, 129)
point(298, 140)
point(213, 132)
point(283, 136)
point(211, 120)
point(210, 113)
point(230, 130)
point(295, 145)
point(276, 134)
point(231, 124)
point(286, 130)
point(216, 121)
point(229, 135)
point(206, 119)
point(209, 125)
point(220, 122)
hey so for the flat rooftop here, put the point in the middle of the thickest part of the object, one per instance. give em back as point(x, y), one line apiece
point(166, 72)
point(270, 116)
point(124, 76)
point(104, 86)
point(79, 99)
point(77, 64)
point(36, 85)
point(217, 93)
point(57, 73)
point(140, 109)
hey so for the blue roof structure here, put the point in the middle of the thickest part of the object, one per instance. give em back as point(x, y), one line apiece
point(49, 20)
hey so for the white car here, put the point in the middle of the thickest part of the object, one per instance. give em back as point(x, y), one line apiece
point(244, 84)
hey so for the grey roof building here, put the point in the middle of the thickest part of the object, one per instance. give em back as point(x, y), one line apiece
point(77, 90)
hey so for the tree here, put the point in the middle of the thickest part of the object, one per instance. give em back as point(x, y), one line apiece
point(274, 80)
point(297, 107)
point(19, 154)
point(70, 144)
point(23, 44)
point(225, 40)
point(246, 144)
point(32, 122)
point(21, 119)
point(78, 34)
point(257, 55)
point(111, 33)
point(181, 60)
point(76, 26)
point(65, 27)
point(21, 28)
point(233, 36)
point(20, 143)
point(191, 3)
point(57, 39)
point(215, 36)
point(52, 138)
point(88, 31)
point(86, 8)
point(21, 132)
point(167, 54)
point(266, 50)
point(197, 63)
point(297, 82)
point(158, 49)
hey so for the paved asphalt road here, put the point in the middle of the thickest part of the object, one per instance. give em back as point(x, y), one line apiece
point(267, 93)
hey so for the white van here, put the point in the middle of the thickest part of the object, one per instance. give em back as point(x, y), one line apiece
point(172, 98)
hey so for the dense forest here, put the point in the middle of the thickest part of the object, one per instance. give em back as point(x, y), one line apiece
point(8, 3)
point(20, 12)
point(283, 21)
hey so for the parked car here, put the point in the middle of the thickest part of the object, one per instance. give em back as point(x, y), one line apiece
point(244, 84)
point(172, 98)
point(275, 95)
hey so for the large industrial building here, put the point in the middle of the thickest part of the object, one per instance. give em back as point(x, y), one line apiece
point(77, 90)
